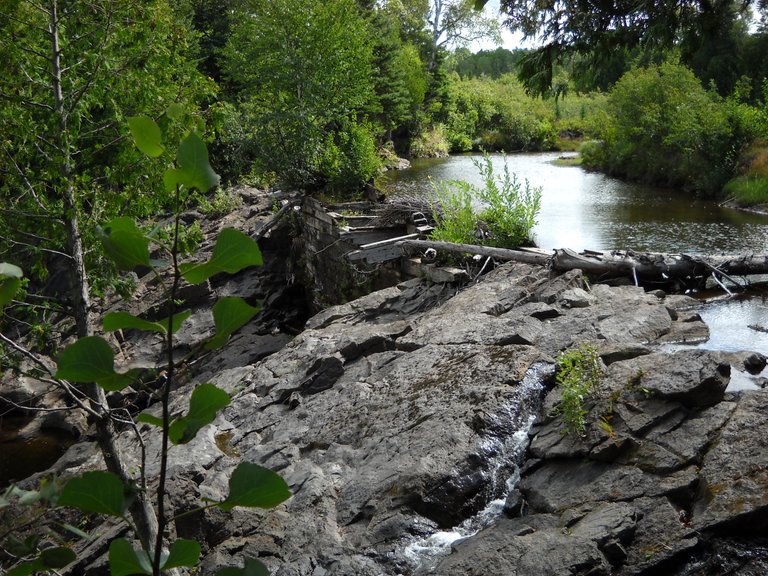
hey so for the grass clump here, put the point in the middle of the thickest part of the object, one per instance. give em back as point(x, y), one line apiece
point(578, 376)
point(501, 213)
point(750, 188)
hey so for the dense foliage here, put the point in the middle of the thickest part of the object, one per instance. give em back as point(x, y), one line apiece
point(303, 76)
point(661, 126)
point(64, 102)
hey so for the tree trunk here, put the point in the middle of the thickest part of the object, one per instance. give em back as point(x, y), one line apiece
point(141, 509)
point(644, 265)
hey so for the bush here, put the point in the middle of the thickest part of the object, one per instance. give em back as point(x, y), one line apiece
point(430, 143)
point(578, 375)
point(351, 161)
point(504, 218)
point(664, 128)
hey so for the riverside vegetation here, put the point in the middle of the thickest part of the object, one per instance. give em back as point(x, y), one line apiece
point(501, 213)
point(91, 359)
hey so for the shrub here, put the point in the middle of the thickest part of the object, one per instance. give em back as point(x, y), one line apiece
point(664, 128)
point(578, 375)
point(502, 213)
point(430, 143)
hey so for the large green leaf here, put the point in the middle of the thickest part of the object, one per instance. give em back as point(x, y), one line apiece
point(233, 252)
point(254, 486)
point(10, 282)
point(123, 320)
point(125, 244)
point(48, 560)
point(125, 561)
point(229, 314)
point(98, 491)
point(205, 403)
point(10, 270)
point(146, 134)
point(192, 167)
point(182, 553)
point(147, 418)
point(24, 569)
point(91, 359)
point(192, 158)
point(252, 568)
point(57, 557)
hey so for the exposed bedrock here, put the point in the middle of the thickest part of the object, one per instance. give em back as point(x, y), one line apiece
point(391, 417)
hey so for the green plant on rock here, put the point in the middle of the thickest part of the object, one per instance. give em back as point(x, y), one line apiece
point(90, 359)
point(501, 213)
point(578, 376)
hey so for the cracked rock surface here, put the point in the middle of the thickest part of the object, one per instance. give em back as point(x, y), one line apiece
point(390, 417)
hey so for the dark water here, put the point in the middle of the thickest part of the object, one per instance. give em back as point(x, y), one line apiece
point(583, 210)
point(24, 454)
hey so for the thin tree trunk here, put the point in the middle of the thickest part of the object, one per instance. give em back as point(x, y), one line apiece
point(141, 509)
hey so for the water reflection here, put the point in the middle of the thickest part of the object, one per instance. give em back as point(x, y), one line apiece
point(583, 210)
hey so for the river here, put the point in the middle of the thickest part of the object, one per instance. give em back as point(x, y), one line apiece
point(585, 210)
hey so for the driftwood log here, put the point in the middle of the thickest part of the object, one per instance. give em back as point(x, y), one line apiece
point(637, 265)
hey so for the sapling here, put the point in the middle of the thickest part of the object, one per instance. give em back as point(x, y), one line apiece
point(91, 360)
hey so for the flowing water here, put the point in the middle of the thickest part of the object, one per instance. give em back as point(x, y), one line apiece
point(518, 415)
point(583, 210)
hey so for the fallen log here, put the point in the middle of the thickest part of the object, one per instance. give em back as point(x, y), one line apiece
point(502, 254)
point(642, 265)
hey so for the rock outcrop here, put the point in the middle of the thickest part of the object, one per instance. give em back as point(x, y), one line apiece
point(404, 413)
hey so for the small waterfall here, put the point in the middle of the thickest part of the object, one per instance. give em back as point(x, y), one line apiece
point(508, 441)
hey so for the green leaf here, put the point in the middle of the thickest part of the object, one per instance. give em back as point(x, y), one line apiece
point(10, 271)
point(22, 548)
point(182, 553)
point(91, 359)
point(123, 320)
point(174, 111)
point(24, 496)
point(22, 570)
point(76, 531)
point(233, 252)
point(100, 492)
point(149, 419)
point(229, 315)
point(480, 4)
point(125, 561)
point(193, 169)
point(147, 136)
point(125, 244)
point(252, 568)
point(205, 403)
point(254, 486)
point(57, 557)
point(10, 282)
point(173, 177)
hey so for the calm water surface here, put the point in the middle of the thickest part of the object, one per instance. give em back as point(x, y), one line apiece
point(583, 210)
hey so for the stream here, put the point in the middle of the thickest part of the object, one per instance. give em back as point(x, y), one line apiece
point(582, 210)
